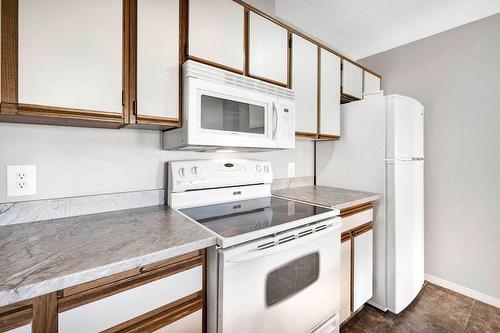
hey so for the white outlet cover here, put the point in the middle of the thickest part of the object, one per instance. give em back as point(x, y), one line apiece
point(291, 169)
point(21, 180)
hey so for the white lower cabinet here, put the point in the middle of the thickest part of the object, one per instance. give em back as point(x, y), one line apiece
point(345, 280)
point(362, 269)
point(192, 323)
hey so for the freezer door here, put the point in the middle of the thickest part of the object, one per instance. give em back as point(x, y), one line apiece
point(405, 128)
point(405, 232)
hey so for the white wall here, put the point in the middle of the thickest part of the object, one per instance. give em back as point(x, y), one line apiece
point(456, 74)
point(74, 161)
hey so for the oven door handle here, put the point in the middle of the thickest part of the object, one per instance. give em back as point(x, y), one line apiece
point(233, 259)
point(275, 119)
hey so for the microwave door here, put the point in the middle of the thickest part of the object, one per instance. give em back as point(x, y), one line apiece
point(229, 116)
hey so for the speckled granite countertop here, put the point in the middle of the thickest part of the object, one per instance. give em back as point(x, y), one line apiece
point(41, 257)
point(328, 196)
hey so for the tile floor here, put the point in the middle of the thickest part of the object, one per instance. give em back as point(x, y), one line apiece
point(435, 309)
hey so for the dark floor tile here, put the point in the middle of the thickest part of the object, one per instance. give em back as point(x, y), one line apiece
point(371, 320)
point(446, 308)
point(484, 318)
point(409, 323)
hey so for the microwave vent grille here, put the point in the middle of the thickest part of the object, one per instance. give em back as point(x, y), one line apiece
point(201, 71)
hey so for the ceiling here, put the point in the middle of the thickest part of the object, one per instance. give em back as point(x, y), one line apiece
point(360, 28)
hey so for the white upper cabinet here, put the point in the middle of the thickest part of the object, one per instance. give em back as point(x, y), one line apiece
point(216, 32)
point(158, 58)
point(352, 79)
point(305, 84)
point(70, 54)
point(329, 94)
point(370, 82)
point(268, 50)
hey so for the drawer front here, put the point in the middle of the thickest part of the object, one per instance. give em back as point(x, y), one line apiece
point(192, 323)
point(355, 220)
point(118, 308)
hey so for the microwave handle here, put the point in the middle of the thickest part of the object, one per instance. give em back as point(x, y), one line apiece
point(275, 118)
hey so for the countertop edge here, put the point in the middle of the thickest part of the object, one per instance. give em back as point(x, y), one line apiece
point(15, 294)
point(358, 202)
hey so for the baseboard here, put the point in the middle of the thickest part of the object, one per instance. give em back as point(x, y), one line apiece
point(464, 290)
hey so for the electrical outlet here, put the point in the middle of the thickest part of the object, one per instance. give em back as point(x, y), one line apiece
point(21, 180)
point(291, 169)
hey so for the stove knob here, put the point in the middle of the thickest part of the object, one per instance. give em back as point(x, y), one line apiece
point(258, 168)
point(181, 172)
point(266, 168)
point(195, 170)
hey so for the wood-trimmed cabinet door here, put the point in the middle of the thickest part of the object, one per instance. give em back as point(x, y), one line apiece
point(216, 33)
point(305, 84)
point(329, 108)
point(70, 59)
point(345, 277)
point(362, 288)
point(371, 82)
point(352, 80)
point(268, 50)
point(157, 100)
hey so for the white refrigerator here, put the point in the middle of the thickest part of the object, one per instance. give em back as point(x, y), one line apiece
point(382, 150)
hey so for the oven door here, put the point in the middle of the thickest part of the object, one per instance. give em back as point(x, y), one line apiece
point(225, 115)
point(288, 287)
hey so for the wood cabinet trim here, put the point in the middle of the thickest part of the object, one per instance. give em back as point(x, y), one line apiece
point(309, 135)
point(9, 63)
point(281, 84)
point(123, 275)
point(53, 111)
point(349, 97)
point(345, 236)
point(289, 28)
point(215, 64)
point(16, 315)
point(328, 137)
point(355, 209)
point(45, 313)
point(114, 287)
point(362, 229)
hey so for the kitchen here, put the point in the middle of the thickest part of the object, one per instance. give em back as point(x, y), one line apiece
point(178, 140)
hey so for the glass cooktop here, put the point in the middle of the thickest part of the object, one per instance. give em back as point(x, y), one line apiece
point(240, 217)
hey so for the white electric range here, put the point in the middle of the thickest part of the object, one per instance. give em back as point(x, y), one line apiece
point(276, 264)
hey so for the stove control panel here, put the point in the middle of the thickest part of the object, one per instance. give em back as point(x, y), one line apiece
point(203, 174)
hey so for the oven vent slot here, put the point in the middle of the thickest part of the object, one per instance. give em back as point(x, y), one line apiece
point(321, 227)
point(305, 232)
point(286, 239)
point(265, 245)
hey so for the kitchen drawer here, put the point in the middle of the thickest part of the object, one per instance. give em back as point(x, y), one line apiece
point(113, 310)
point(158, 293)
point(354, 217)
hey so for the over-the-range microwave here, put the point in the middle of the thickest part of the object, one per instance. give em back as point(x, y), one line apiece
point(224, 111)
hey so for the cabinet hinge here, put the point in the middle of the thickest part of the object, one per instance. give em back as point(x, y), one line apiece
point(341, 66)
point(290, 41)
point(123, 98)
point(134, 108)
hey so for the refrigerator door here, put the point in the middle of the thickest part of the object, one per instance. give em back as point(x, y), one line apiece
point(405, 232)
point(405, 128)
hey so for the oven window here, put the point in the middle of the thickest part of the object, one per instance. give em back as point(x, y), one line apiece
point(291, 278)
point(226, 115)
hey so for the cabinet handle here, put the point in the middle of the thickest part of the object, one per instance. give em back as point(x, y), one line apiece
point(142, 270)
